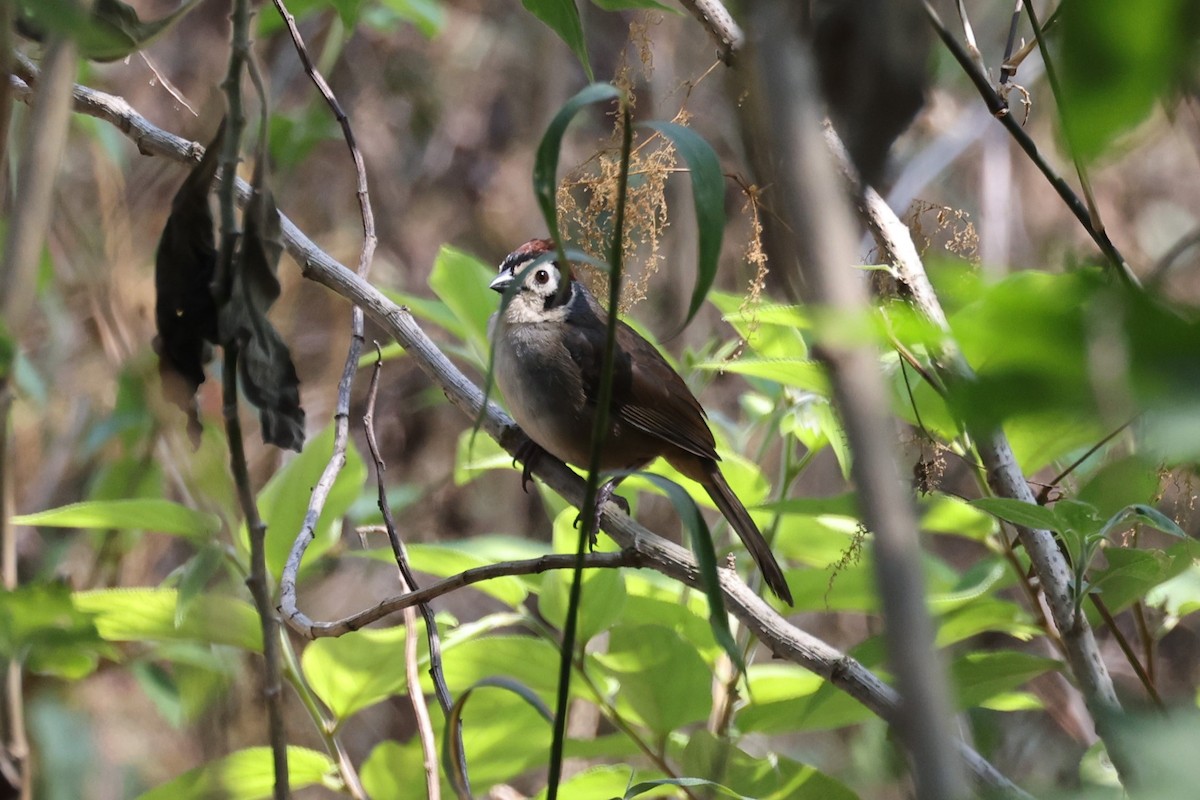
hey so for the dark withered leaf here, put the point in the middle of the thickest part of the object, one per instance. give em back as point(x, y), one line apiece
point(265, 367)
point(873, 62)
point(185, 311)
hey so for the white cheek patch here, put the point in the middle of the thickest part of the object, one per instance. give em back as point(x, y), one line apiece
point(526, 308)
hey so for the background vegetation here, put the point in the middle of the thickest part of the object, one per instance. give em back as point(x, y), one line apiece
point(130, 636)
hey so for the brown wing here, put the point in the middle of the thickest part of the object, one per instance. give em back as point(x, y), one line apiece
point(658, 400)
point(647, 393)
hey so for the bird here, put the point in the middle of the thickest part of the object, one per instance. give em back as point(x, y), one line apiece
point(548, 344)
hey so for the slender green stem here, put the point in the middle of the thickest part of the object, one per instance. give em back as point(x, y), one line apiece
point(587, 530)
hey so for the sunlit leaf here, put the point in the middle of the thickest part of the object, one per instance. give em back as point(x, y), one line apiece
point(248, 775)
point(283, 501)
point(41, 628)
point(148, 514)
point(357, 670)
point(148, 615)
point(664, 683)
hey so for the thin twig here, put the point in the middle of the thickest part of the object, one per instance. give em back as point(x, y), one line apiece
point(643, 547)
point(1007, 67)
point(323, 721)
point(969, 35)
point(433, 783)
point(257, 582)
point(239, 54)
point(341, 421)
point(1000, 110)
point(532, 566)
point(1068, 130)
point(1130, 656)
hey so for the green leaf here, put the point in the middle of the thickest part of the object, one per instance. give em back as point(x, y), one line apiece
point(1118, 60)
point(603, 598)
point(357, 670)
point(461, 282)
point(639, 789)
point(800, 373)
point(41, 628)
point(789, 698)
point(1120, 483)
point(980, 676)
point(248, 775)
point(111, 32)
point(450, 558)
point(1132, 573)
point(545, 166)
point(149, 514)
point(664, 684)
point(282, 502)
point(562, 17)
point(744, 775)
point(453, 760)
point(148, 615)
point(427, 16)
point(1019, 512)
point(708, 197)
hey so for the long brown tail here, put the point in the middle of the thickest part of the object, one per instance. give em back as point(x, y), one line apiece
point(747, 531)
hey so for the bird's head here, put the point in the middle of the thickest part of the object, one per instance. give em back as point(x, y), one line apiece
point(540, 294)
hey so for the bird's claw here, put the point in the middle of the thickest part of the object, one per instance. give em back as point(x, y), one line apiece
point(603, 496)
point(528, 454)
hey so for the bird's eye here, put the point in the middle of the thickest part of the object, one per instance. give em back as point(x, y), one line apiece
point(541, 276)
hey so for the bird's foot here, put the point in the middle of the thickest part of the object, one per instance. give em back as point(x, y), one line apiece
point(528, 454)
point(603, 496)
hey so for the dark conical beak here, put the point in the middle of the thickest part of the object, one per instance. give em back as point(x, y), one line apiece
point(501, 282)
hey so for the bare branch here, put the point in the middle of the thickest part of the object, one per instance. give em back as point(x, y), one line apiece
point(433, 783)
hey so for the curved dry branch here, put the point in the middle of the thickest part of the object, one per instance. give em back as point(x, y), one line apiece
point(784, 640)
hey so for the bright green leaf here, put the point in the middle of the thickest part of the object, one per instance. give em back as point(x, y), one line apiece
point(161, 516)
point(664, 684)
point(357, 670)
point(148, 615)
point(248, 775)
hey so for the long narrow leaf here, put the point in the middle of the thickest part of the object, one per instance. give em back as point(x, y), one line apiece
point(545, 168)
point(708, 195)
